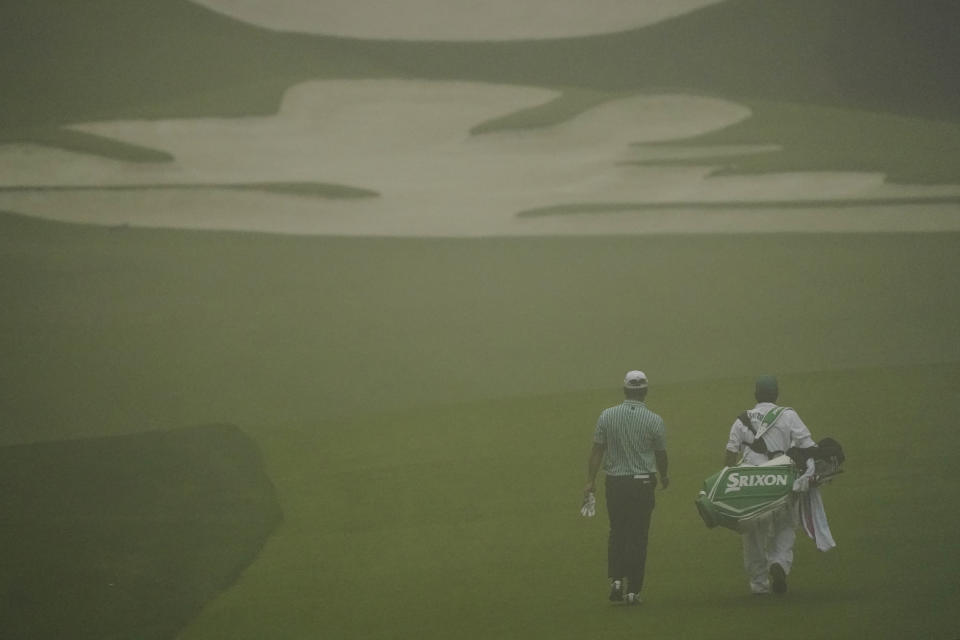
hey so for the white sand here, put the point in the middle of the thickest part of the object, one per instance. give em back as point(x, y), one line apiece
point(410, 142)
point(453, 19)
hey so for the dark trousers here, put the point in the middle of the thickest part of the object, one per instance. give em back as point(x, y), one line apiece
point(630, 503)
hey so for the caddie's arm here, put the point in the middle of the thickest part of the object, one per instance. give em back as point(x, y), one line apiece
point(662, 468)
point(738, 433)
point(593, 466)
point(800, 435)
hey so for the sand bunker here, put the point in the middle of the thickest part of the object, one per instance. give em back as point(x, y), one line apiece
point(454, 19)
point(409, 142)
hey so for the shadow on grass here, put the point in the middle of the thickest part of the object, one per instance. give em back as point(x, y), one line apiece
point(129, 536)
point(742, 600)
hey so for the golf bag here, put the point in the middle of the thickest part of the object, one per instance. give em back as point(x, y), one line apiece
point(737, 496)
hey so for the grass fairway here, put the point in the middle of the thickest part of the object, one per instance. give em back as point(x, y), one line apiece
point(111, 329)
point(425, 409)
point(463, 521)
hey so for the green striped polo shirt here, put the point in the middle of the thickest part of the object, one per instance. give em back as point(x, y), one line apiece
point(630, 433)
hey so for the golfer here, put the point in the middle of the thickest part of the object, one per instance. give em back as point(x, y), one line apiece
point(629, 442)
point(759, 435)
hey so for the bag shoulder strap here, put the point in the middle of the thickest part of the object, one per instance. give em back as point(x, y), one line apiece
point(747, 422)
point(771, 416)
point(769, 419)
point(766, 422)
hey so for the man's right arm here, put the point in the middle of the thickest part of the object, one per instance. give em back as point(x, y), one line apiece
point(734, 442)
point(662, 466)
point(730, 459)
point(593, 466)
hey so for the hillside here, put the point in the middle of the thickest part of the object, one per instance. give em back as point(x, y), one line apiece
point(64, 61)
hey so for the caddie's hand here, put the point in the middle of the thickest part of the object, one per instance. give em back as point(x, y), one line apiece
point(664, 482)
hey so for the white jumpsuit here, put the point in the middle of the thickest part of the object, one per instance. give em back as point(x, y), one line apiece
point(771, 539)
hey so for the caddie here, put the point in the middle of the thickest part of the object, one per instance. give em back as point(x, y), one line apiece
point(757, 436)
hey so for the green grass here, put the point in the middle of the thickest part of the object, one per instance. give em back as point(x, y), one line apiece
point(425, 410)
point(73, 60)
point(81, 142)
point(907, 150)
point(305, 189)
point(145, 329)
point(309, 189)
point(814, 139)
point(570, 103)
point(729, 205)
point(462, 520)
point(127, 537)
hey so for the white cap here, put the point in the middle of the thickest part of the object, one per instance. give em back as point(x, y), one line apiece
point(635, 380)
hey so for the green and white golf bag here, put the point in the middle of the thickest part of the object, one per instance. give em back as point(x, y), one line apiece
point(737, 496)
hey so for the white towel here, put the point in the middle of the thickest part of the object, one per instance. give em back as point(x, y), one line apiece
point(813, 518)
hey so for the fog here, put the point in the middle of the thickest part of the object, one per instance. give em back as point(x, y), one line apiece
point(308, 309)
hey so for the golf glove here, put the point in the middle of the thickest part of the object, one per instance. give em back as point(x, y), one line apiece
point(589, 507)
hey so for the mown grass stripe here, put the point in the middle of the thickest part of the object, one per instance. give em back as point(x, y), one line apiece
point(627, 207)
point(312, 189)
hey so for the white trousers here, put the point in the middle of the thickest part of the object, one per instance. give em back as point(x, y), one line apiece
point(767, 542)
